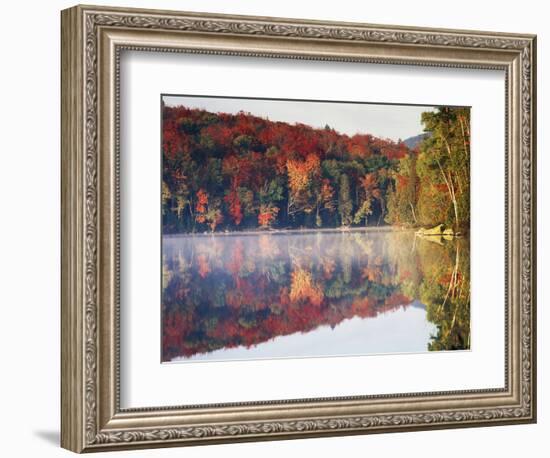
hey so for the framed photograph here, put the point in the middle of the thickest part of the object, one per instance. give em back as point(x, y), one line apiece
point(278, 228)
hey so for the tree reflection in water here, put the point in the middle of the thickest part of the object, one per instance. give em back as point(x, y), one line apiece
point(227, 291)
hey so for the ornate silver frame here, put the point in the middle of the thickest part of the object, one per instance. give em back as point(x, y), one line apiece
point(92, 39)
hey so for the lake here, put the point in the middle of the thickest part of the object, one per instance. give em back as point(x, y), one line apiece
point(311, 294)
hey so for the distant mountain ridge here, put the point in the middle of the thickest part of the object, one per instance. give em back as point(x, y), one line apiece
point(414, 142)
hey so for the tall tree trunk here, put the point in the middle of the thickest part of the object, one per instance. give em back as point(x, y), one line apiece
point(465, 130)
point(455, 205)
point(463, 135)
point(382, 209)
point(413, 212)
point(192, 215)
point(451, 180)
point(450, 188)
point(288, 208)
point(317, 214)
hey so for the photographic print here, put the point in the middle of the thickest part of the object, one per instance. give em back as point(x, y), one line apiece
point(353, 250)
point(301, 228)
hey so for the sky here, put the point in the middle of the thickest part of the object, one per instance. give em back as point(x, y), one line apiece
point(386, 121)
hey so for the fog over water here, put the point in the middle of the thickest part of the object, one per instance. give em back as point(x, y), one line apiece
point(281, 295)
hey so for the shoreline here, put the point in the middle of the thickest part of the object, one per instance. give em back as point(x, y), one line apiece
point(335, 230)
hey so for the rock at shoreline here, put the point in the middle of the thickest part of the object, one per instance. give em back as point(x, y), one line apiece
point(438, 231)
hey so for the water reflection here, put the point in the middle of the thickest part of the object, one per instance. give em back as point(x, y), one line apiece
point(325, 293)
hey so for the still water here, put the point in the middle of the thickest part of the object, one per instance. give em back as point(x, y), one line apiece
point(277, 295)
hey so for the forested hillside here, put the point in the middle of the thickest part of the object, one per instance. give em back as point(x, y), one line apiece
point(234, 172)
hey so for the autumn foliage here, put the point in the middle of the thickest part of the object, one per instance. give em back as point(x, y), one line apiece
point(242, 172)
